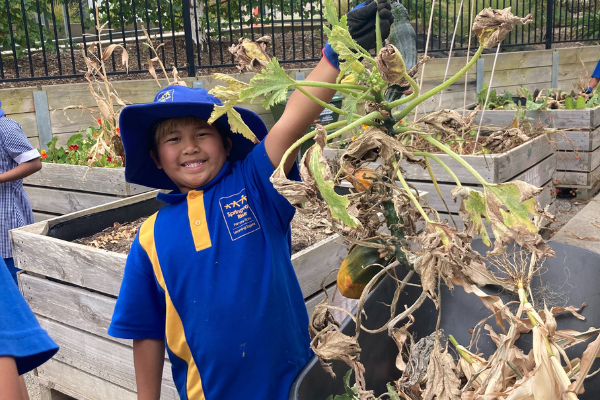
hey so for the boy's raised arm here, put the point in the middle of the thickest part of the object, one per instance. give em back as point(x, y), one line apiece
point(148, 359)
point(299, 113)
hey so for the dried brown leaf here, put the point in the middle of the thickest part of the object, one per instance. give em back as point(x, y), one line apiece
point(587, 359)
point(448, 121)
point(491, 26)
point(390, 64)
point(442, 379)
point(251, 56)
point(400, 336)
point(418, 361)
point(109, 50)
point(152, 71)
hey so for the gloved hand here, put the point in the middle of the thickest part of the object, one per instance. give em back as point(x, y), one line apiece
point(361, 24)
point(588, 90)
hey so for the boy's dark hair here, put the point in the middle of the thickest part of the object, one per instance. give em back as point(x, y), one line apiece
point(153, 142)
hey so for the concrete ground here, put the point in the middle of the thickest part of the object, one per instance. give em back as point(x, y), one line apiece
point(583, 228)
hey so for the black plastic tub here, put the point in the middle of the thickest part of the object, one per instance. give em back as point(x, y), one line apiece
point(574, 275)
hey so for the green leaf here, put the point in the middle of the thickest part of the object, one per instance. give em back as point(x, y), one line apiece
point(338, 205)
point(273, 83)
point(515, 214)
point(525, 93)
point(532, 106)
point(392, 392)
point(473, 204)
point(238, 125)
point(347, 49)
point(331, 15)
point(350, 107)
point(569, 103)
point(591, 103)
point(73, 139)
point(482, 94)
point(580, 103)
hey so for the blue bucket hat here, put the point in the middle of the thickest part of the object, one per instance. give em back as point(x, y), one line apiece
point(138, 122)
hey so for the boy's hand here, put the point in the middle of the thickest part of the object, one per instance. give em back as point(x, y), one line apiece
point(361, 22)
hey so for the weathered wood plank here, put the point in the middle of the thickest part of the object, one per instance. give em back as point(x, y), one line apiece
point(27, 122)
point(62, 202)
point(105, 359)
point(575, 179)
point(80, 177)
point(314, 264)
point(583, 140)
point(80, 265)
point(79, 384)
point(578, 161)
point(42, 117)
point(17, 100)
point(494, 168)
point(69, 305)
point(559, 119)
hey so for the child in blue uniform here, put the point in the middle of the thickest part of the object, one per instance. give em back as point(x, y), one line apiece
point(210, 274)
point(24, 345)
point(594, 79)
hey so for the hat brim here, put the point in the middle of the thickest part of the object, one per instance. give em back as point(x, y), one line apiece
point(136, 122)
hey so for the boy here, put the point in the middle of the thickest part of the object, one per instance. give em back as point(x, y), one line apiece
point(210, 273)
point(17, 161)
point(23, 344)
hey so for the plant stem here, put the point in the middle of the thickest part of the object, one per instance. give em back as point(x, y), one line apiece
point(460, 349)
point(322, 103)
point(442, 164)
point(336, 86)
point(306, 137)
point(458, 158)
point(410, 193)
point(441, 87)
point(439, 192)
point(357, 123)
point(407, 99)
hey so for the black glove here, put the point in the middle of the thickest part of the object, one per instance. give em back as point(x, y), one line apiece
point(361, 22)
point(589, 90)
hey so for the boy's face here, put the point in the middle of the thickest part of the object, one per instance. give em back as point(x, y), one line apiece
point(192, 154)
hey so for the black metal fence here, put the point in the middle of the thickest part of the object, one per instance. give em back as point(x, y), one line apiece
point(44, 39)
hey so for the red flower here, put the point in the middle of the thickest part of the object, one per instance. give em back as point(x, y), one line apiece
point(44, 154)
point(73, 147)
point(99, 121)
point(95, 133)
point(108, 158)
point(118, 131)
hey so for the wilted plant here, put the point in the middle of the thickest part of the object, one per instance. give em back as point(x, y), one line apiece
point(440, 253)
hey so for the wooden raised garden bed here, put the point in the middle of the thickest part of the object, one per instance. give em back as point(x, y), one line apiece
point(72, 289)
point(533, 162)
point(577, 148)
point(59, 189)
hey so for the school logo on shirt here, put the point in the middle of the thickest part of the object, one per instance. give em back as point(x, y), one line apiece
point(166, 96)
point(239, 217)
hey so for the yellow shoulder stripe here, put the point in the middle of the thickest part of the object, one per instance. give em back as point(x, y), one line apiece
point(174, 327)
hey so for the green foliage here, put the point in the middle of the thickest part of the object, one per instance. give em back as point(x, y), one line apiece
point(580, 103)
point(77, 152)
point(494, 101)
point(351, 391)
point(588, 26)
point(273, 83)
point(569, 103)
point(26, 16)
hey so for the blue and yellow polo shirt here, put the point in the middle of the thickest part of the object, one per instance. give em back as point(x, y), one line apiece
point(211, 274)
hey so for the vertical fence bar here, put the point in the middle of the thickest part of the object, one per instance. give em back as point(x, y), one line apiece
point(189, 43)
point(12, 39)
point(55, 36)
point(68, 24)
point(2, 67)
point(208, 30)
point(293, 31)
point(302, 27)
point(262, 17)
point(196, 18)
point(219, 32)
point(110, 38)
point(312, 28)
point(137, 40)
point(549, 23)
point(274, 43)
point(595, 15)
point(161, 33)
point(148, 28)
point(27, 38)
point(37, 3)
point(251, 19)
point(173, 41)
point(283, 27)
point(231, 26)
point(81, 18)
point(122, 23)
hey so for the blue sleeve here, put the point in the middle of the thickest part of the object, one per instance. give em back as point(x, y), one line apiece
point(140, 311)
point(596, 73)
point(21, 336)
point(257, 170)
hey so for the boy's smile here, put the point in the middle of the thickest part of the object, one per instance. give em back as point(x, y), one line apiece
point(191, 155)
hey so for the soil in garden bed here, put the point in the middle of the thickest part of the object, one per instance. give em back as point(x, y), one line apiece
point(307, 230)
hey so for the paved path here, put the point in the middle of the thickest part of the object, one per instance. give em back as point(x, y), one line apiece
point(583, 230)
